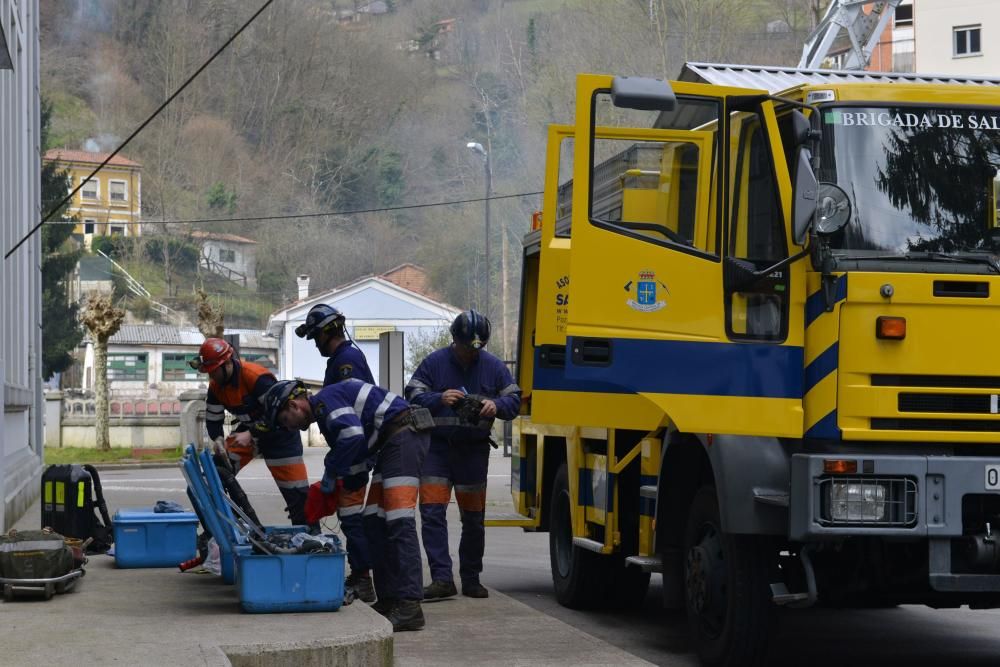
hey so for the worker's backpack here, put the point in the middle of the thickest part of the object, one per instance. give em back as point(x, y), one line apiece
point(71, 499)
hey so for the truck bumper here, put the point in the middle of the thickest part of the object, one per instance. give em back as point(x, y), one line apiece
point(915, 497)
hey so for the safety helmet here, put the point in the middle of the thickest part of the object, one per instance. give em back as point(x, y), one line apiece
point(321, 318)
point(276, 396)
point(471, 328)
point(213, 353)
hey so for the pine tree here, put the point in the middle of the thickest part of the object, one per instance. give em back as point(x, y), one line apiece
point(61, 332)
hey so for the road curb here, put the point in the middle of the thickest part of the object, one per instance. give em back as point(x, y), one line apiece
point(369, 649)
point(135, 466)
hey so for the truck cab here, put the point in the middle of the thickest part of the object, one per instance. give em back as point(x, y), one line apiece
point(756, 346)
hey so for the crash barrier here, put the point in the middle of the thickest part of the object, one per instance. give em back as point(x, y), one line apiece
point(266, 582)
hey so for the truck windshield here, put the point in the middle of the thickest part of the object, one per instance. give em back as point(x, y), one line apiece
point(921, 180)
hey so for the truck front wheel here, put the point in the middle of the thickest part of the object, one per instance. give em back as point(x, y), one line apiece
point(578, 575)
point(726, 588)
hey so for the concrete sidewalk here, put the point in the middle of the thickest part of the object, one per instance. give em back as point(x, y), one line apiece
point(158, 616)
point(162, 617)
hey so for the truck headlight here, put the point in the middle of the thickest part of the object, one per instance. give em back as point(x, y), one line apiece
point(852, 502)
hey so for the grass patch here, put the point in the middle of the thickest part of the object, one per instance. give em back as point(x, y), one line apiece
point(54, 455)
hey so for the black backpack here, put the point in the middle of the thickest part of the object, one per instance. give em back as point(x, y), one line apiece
point(71, 499)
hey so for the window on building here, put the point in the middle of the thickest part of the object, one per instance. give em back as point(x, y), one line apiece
point(967, 40)
point(128, 366)
point(904, 16)
point(91, 189)
point(116, 230)
point(259, 358)
point(175, 367)
point(88, 225)
point(118, 191)
point(228, 256)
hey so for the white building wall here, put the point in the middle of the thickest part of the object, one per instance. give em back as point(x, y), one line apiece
point(20, 279)
point(244, 257)
point(934, 25)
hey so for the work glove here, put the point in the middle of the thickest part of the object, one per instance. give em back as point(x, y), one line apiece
point(319, 503)
point(219, 446)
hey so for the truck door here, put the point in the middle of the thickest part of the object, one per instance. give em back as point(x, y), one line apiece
point(651, 336)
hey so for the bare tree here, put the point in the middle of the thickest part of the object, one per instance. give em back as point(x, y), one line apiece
point(211, 319)
point(103, 320)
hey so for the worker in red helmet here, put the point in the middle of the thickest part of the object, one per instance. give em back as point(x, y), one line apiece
point(237, 386)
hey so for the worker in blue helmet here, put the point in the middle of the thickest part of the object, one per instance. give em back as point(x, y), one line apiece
point(360, 422)
point(465, 388)
point(325, 325)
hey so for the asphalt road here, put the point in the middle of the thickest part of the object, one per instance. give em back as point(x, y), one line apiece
point(517, 564)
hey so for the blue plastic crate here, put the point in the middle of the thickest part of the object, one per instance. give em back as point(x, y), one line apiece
point(290, 583)
point(144, 538)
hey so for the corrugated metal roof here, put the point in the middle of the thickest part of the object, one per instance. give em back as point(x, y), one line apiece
point(776, 79)
point(162, 334)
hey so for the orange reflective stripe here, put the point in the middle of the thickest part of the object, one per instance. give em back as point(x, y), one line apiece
point(374, 494)
point(399, 497)
point(435, 494)
point(351, 498)
point(293, 472)
point(471, 501)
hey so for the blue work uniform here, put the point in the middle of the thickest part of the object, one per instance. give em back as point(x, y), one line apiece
point(348, 362)
point(361, 421)
point(458, 456)
point(281, 449)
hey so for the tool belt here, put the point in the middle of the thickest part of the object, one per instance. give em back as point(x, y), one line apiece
point(415, 419)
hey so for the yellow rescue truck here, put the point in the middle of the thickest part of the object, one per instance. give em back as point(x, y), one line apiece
point(758, 343)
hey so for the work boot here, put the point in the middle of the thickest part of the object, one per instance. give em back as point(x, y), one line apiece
point(474, 589)
point(362, 585)
point(440, 589)
point(384, 605)
point(406, 615)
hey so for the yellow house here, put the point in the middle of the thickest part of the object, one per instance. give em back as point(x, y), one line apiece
point(108, 204)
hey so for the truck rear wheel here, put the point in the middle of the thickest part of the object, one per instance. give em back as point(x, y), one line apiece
point(726, 588)
point(579, 576)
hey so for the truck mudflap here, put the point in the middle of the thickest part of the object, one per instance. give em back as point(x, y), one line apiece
point(951, 501)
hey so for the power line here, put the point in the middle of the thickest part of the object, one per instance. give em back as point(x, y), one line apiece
point(139, 129)
point(293, 216)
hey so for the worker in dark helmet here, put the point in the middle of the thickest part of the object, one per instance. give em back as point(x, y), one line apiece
point(325, 326)
point(237, 386)
point(361, 421)
point(465, 388)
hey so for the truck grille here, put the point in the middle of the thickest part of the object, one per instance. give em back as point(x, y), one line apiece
point(963, 403)
point(952, 381)
point(913, 424)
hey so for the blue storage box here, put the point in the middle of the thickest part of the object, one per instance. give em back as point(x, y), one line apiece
point(292, 583)
point(144, 538)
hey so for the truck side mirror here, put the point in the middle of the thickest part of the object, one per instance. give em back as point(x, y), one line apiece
point(642, 94)
point(804, 203)
point(801, 129)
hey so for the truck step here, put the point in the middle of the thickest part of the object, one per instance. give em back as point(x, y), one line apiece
point(646, 563)
point(780, 595)
point(589, 545)
point(770, 497)
point(648, 491)
point(509, 520)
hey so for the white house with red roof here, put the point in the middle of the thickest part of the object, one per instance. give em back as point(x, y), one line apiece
point(231, 256)
point(397, 300)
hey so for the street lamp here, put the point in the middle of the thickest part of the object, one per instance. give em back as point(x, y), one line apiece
point(478, 148)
